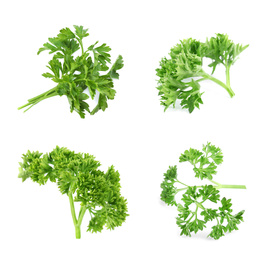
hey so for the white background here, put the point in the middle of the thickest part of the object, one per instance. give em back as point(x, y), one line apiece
point(134, 133)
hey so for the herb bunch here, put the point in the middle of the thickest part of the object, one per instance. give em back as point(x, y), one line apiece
point(194, 207)
point(75, 74)
point(181, 74)
point(77, 175)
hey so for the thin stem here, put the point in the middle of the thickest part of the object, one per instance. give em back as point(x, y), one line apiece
point(223, 85)
point(77, 232)
point(225, 186)
point(81, 44)
point(228, 76)
point(178, 190)
point(228, 79)
point(43, 94)
point(81, 215)
point(182, 183)
point(72, 209)
point(199, 204)
point(196, 212)
point(193, 214)
point(33, 101)
point(201, 79)
point(77, 222)
point(215, 182)
point(32, 104)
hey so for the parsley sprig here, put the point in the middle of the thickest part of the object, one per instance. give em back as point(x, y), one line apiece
point(194, 210)
point(75, 74)
point(181, 74)
point(77, 175)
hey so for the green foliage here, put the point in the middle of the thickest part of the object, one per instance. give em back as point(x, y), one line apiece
point(222, 50)
point(168, 189)
point(77, 175)
point(193, 214)
point(74, 75)
point(205, 163)
point(181, 74)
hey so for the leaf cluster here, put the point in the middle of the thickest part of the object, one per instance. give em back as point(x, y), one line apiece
point(181, 74)
point(79, 76)
point(193, 208)
point(78, 175)
point(204, 162)
point(221, 50)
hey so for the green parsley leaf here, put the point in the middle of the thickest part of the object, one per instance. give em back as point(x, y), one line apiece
point(78, 176)
point(205, 163)
point(181, 74)
point(74, 75)
point(193, 214)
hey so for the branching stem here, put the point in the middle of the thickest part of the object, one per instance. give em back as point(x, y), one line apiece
point(219, 82)
point(77, 222)
point(218, 186)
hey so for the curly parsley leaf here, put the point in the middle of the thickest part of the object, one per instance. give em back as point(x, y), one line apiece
point(222, 50)
point(194, 211)
point(79, 77)
point(181, 74)
point(78, 176)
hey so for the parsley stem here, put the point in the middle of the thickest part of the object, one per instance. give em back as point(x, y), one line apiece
point(77, 223)
point(215, 182)
point(223, 85)
point(77, 232)
point(81, 215)
point(182, 183)
point(81, 45)
point(225, 186)
point(180, 190)
point(33, 101)
point(186, 188)
point(228, 80)
point(228, 76)
point(72, 208)
point(49, 92)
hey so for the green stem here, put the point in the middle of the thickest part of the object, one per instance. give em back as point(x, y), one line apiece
point(81, 45)
point(196, 212)
point(228, 76)
point(199, 205)
point(178, 190)
point(72, 209)
point(52, 90)
point(225, 186)
point(77, 232)
point(182, 183)
point(223, 85)
point(199, 80)
point(81, 215)
point(77, 223)
point(33, 101)
point(228, 80)
point(214, 182)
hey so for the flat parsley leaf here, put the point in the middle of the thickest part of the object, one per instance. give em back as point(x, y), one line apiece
point(77, 75)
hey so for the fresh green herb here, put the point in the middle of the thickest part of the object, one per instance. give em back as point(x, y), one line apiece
point(181, 74)
point(77, 175)
point(194, 208)
point(73, 75)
